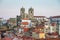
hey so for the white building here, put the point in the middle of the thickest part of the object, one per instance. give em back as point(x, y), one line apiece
point(57, 20)
point(12, 22)
point(26, 23)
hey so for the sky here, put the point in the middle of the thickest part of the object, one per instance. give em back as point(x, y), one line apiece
point(11, 8)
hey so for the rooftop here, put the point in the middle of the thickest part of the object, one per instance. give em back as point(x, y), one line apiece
point(40, 16)
point(55, 16)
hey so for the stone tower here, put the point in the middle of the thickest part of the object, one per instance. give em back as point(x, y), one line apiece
point(31, 13)
point(22, 12)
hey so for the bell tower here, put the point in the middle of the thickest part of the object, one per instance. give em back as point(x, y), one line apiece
point(22, 12)
point(31, 13)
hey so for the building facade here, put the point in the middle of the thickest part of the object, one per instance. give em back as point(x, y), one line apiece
point(11, 22)
point(29, 15)
point(56, 19)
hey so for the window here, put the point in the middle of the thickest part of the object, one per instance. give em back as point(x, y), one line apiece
point(31, 11)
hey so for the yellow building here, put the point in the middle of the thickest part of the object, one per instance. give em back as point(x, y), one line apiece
point(41, 35)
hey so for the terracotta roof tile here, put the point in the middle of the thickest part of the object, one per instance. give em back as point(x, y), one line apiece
point(55, 16)
point(25, 19)
point(40, 16)
point(24, 23)
point(53, 24)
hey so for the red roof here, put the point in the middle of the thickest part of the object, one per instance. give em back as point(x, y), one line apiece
point(53, 24)
point(54, 33)
point(26, 29)
point(25, 19)
point(55, 16)
point(39, 16)
point(40, 26)
point(24, 23)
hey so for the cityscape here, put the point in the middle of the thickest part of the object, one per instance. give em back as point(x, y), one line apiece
point(28, 26)
point(32, 26)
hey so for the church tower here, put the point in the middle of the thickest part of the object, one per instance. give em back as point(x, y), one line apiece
point(31, 13)
point(22, 12)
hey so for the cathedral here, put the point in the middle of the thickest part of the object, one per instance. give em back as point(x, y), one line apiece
point(30, 14)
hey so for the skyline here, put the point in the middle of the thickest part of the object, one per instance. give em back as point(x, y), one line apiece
point(11, 8)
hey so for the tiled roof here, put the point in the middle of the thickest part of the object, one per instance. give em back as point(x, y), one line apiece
point(36, 29)
point(54, 34)
point(40, 26)
point(24, 23)
point(40, 16)
point(53, 24)
point(25, 19)
point(55, 17)
point(26, 29)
